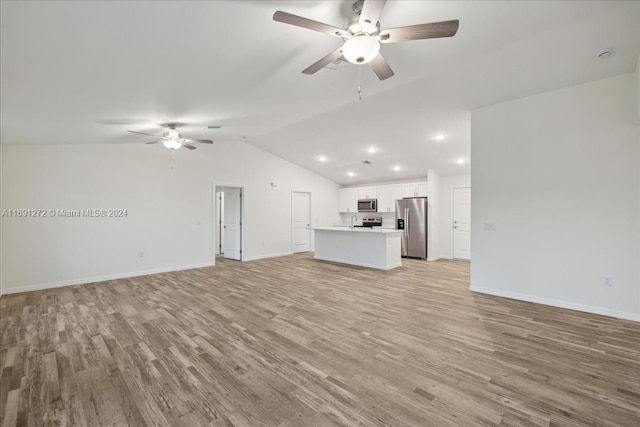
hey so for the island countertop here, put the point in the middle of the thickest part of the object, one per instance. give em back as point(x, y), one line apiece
point(376, 230)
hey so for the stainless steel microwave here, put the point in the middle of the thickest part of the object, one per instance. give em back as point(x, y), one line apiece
point(368, 205)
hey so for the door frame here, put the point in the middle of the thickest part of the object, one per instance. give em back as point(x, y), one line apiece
point(242, 216)
point(451, 222)
point(293, 224)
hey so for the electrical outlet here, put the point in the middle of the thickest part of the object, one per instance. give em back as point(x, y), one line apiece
point(489, 226)
point(263, 243)
point(607, 281)
point(141, 254)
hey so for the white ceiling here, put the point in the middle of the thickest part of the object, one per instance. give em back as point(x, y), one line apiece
point(71, 70)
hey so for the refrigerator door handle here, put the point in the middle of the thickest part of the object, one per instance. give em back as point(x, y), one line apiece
point(406, 222)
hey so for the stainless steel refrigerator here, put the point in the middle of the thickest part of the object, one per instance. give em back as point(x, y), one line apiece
point(411, 216)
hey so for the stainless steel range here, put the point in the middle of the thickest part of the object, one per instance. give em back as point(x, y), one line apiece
point(370, 222)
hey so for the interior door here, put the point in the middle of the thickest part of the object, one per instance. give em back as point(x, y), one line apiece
point(219, 223)
point(462, 223)
point(233, 223)
point(301, 222)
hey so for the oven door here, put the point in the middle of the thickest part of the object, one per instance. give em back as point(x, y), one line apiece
point(368, 205)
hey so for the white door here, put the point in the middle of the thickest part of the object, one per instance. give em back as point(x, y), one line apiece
point(219, 223)
point(301, 222)
point(232, 223)
point(462, 223)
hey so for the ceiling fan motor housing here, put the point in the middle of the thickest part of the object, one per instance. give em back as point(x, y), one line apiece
point(355, 28)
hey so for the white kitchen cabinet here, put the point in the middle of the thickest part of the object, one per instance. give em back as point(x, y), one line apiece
point(414, 189)
point(421, 189)
point(367, 192)
point(387, 196)
point(348, 199)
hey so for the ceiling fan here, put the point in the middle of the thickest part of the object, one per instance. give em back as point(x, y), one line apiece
point(172, 139)
point(362, 36)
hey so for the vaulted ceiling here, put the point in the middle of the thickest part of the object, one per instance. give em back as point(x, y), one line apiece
point(85, 72)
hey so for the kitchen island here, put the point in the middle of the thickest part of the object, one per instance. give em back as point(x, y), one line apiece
point(367, 247)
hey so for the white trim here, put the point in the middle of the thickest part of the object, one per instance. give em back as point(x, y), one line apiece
point(433, 258)
point(257, 257)
point(558, 303)
point(88, 280)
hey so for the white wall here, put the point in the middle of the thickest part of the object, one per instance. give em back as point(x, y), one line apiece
point(558, 174)
point(448, 183)
point(638, 90)
point(170, 212)
point(433, 215)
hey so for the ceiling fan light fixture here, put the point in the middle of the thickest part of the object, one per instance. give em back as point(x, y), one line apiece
point(171, 144)
point(360, 49)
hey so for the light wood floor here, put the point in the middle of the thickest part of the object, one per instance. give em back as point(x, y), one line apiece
point(295, 342)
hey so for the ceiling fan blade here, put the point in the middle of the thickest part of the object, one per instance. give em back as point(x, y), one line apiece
point(371, 11)
point(432, 30)
point(188, 146)
point(381, 67)
point(142, 133)
point(310, 24)
point(154, 142)
point(320, 64)
point(202, 141)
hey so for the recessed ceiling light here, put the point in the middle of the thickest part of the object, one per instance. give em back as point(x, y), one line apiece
point(371, 150)
point(322, 159)
point(460, 161)
point(351, 173)
point(604, 53)
point(439, 136)
point(396, 168)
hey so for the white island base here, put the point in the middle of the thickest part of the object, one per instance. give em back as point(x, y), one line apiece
point(366, 247)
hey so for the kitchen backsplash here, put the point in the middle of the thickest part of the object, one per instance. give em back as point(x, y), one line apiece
point(388, 218)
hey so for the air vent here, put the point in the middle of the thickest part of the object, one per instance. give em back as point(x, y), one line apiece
point(213, 127)
point(366, 162)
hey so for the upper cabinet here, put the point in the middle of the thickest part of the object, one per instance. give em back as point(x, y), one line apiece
point(348, 199)
point(387, 196)
point(367, 193)
point(414, 189)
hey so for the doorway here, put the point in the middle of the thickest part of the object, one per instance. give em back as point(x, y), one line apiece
point(229, 213)
point(300, 221)
point(461, 222)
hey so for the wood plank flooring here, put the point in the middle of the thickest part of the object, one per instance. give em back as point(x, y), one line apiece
point(292, 341)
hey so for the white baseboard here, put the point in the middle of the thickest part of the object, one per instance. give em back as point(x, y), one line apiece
point(257, 257)
point(433, 258)
point(557, 303)
point(88, 280)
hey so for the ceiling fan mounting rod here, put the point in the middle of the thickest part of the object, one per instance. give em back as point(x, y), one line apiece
point(357, 7)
